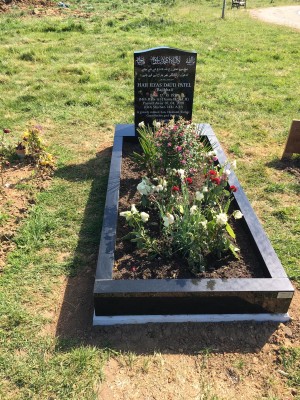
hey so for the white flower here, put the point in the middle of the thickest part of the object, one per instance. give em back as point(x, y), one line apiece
point(204, 223)
point(144, 216)
point(221, 219)
point(157, 124)
point(142, 124)
point(237, 214)
point(133, 209)
point(181, 173)
point(159, 188)
point(205, 189)
point(193, 209)
point(211, 153)
point(144, 188)
point(199, 196)
point(164, 183)
point(227, 172)
point(233, 164)
point(126, 214)
point(168, 219)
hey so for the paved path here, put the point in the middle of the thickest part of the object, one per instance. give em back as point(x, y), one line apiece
point(289, 15)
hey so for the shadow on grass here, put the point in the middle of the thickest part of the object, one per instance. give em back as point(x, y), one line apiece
point(75, 319)
point(74, 325)
point(291, 165)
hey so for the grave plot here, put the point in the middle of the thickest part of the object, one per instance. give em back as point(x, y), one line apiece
point(264, 295)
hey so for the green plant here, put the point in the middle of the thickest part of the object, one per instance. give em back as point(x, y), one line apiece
point(192, 222)
point(3, 218)
point(149, 155)
point(35, 148)
point(290, 359)
point(4, 152)
point(172, 145)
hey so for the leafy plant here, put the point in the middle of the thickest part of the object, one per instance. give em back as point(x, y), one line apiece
point(172, 145)
point(5, 151)
point(148, 158)
point(35, 148)
point(193, 222)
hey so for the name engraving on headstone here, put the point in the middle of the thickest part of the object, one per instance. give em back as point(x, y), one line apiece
point(164, 80)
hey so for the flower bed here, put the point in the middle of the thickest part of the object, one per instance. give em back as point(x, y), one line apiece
point(192, 296)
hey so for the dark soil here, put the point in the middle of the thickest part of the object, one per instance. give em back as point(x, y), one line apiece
point(131, 263)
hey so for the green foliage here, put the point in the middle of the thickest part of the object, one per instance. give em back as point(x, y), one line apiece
point(193, 224)
point(35, 148)
point(5, 152)
point(3, 217)
point(148, 158)
point(290, 360)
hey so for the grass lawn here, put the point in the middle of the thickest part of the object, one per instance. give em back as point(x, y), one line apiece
point(73, 74)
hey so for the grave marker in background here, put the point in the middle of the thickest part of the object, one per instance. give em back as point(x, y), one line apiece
point(293, 141)
point(164, 80)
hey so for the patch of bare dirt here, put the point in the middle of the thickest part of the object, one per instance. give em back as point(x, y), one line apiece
point(17, 195)
point(41, 8)
point(6, 5)
point(288, 15)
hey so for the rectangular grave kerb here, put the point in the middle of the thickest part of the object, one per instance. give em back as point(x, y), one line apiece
point(267, 297)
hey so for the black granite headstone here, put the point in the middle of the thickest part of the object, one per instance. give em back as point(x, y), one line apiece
point(164, 80)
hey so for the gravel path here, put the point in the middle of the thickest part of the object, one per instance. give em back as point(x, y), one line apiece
point(289, 16)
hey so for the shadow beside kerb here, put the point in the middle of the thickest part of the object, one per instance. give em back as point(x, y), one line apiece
point(76, 314)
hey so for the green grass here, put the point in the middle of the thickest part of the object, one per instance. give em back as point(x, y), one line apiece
point(290, 361)
point(75, 77)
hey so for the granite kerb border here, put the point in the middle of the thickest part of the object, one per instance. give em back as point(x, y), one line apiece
point(252, 296)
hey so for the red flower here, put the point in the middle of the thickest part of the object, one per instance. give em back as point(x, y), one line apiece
point(217, 181)
point(175, 189)
point(6, 130)
point(212, 172)
point(233, 188)
point(189, 181)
